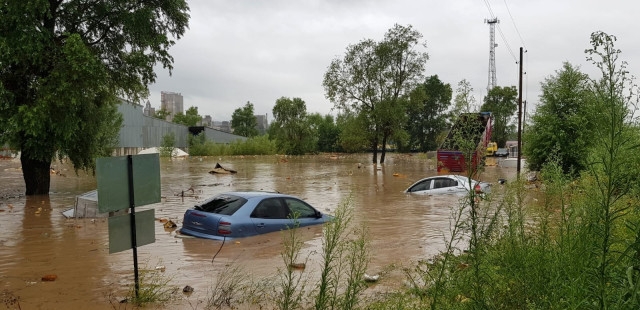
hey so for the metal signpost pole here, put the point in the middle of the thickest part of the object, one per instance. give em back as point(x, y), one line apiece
point(133, 224)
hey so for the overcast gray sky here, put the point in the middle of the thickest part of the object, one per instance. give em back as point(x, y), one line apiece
point(260, 50)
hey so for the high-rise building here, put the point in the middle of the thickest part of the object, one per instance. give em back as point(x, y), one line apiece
point(261, 123)
point(172, 103)
point(149, 110)
point(207, 121)
point(226, 126)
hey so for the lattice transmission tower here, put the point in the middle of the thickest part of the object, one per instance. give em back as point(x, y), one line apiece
point(492, 52)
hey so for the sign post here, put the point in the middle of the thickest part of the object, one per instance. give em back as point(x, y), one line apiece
point(142, 186)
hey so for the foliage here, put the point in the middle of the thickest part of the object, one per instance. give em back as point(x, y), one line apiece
point(189, 118)
point(464, 102)
point(290, 127)
point(328, 134)
point(228, 288)
point(561, 127)
point(64, 65)
point(426, 111)
point(569, 244)
point(162, 114)
point(502, 103)
point(613, 164)
point(354, 134)
point(259, 145)
point(292, 282)
point(371, 79)
point(243, 121)
point(154, 287)
point(168, 145)
point(344, 262)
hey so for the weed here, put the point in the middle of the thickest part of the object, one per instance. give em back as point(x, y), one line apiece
point(154, 287)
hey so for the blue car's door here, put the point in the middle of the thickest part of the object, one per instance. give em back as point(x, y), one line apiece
point(302, 213)
point(270, 215)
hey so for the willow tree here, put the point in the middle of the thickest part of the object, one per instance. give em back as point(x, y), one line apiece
point(371, 80)
point(63, 66)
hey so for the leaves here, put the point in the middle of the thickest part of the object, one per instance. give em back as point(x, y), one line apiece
point(372, 78)
point(561, 128)
point(65, 64)
point(290, 127)
point(243, 121)
point(502, 103)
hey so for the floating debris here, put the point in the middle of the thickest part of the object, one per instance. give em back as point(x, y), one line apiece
point(187, 289)
point(374, 278)
point(218, 169)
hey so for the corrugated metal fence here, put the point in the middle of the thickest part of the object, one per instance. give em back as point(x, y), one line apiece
point(140, 131)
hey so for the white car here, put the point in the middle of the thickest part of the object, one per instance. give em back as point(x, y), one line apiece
point(448, 184)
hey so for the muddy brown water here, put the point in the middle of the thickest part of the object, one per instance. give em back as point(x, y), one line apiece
point(37, 240)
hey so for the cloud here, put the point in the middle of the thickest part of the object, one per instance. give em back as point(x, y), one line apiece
point(259, 51)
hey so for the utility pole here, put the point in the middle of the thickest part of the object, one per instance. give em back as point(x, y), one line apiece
point(519, 116)
point(492, 52)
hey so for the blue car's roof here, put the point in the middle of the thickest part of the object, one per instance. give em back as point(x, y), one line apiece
point(253, 194)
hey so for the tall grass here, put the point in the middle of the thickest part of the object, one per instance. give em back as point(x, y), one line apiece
point(292, 280)
point(559, 244)
point(259, 145)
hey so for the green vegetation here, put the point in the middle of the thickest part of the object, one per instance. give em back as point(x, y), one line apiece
point(464, 102)
point(290, 127)
point(154, 288)
point(326, 131)
point(189, 118)
point(344, 262)
point(259, 145)
point(292, 280)
point(372, 81)
point(502, 103)
point(243, 121)
point(562, 125)
point(162, 114)
point(64, 66)
point(168, 145)
point(427, 119)
point(570, 243)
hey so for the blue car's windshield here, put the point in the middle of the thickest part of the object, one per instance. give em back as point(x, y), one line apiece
point(223, 204)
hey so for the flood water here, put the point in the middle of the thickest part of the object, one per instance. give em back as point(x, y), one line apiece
point(37, 240)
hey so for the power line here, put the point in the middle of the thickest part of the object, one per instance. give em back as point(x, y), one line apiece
point(486, 2)
point(507, 44)
point(504, 39)
point(514, 25)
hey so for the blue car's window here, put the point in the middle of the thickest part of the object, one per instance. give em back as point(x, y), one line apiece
point(300, 209)
point(224, 204)
point(270, 208)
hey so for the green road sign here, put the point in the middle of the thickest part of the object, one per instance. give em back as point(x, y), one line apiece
point(120, 230)
point(113, 181)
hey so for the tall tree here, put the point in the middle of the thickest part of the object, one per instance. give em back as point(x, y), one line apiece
point(464, 102)
point(290, 128)
point(501, 102)
point(371, 79)
point(328, 134)
point(189, 118)
point(354, 134)
point(561, 129)
point(243, 121)
point(64, 64)
point(428, 103)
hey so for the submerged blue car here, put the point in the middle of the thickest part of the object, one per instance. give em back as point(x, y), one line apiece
point(241, 214)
